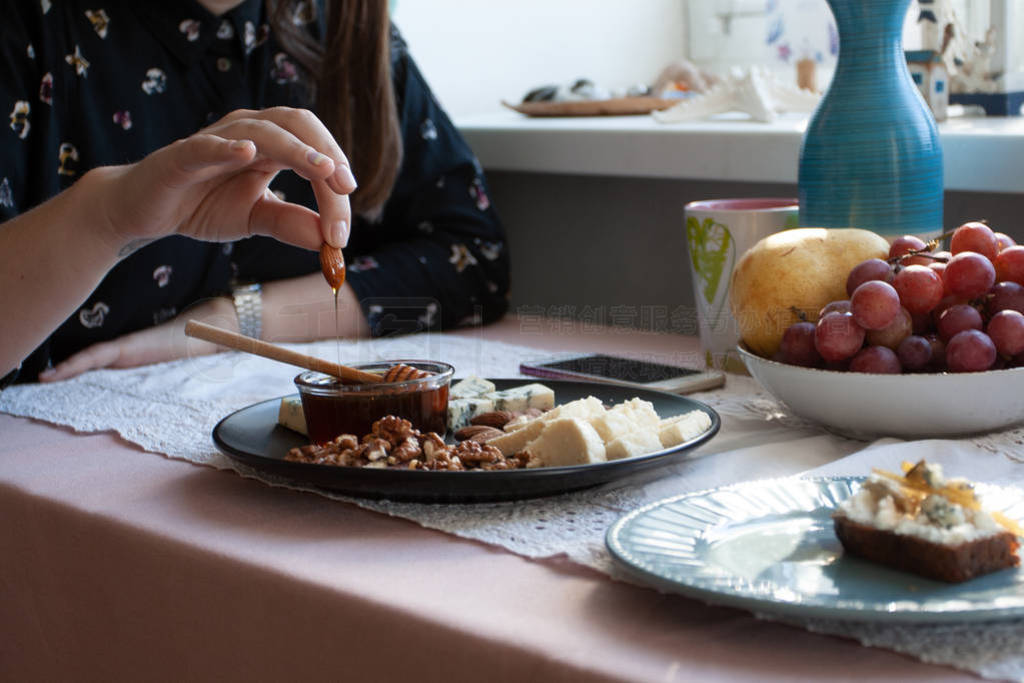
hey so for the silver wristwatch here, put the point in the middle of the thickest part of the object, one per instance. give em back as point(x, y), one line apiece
point(249, 307)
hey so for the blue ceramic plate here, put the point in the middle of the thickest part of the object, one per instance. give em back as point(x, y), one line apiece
point(768, 546)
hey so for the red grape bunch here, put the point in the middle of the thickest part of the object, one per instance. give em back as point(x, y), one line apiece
point(923, 310)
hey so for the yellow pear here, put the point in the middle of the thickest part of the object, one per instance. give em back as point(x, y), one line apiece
point(794, 271)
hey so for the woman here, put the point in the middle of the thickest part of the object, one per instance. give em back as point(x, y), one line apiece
point(145, 138)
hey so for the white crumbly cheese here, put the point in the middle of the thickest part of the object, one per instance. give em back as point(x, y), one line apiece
point(462, 410)
point(582, 407)
point(517, 422)
point(950, 524)
point(673, 431)
point(471, 387)
point(567, 441)
point(515, 441)
point(587, 408)
point(627, 429)
point(640, 412)
point(633, 444)
point(520, 398)
point(290, 415)
point(517, 437)
point(611, 424)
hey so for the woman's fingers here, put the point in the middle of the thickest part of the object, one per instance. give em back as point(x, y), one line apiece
point(225, 170)
point(335, 214)
point(100, 355)
point(198, 158)
point(285, 222)
point(295, 138)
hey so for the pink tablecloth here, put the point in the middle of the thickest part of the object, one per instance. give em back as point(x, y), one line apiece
point(124, 565)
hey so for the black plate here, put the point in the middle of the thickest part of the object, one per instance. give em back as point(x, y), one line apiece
point(253, 437)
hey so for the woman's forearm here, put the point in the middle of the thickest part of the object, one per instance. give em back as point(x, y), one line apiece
point(302, 309)
point(53, 256)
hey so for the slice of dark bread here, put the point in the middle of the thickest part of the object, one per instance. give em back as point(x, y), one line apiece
point(951, 563)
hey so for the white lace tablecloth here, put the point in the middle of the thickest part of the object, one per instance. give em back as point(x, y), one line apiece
point(171, 409)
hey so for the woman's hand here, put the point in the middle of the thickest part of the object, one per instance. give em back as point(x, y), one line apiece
point(156, 344)
point(294, 310)
point(214, 185)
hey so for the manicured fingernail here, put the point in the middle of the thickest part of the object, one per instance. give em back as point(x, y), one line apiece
point(316, 158)
point(346, 177)
point(338, 233)
point(241, 144)
point(48, 373)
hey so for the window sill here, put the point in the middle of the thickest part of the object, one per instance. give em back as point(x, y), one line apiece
point(981, 154)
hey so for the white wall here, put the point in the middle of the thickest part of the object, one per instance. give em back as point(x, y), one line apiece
point(475, 54)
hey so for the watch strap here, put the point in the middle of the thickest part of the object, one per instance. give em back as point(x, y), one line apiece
point(248, 300)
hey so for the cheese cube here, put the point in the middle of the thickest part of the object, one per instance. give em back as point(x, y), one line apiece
point(471, 387)
point(681, 428)
point(640, 411)
point(517, 422)
point(611, 424)
point(635, 443)
point(515, 441)
point(520, 398)
point(566, 441)
point(290, 415)
point(462, 410)
point(586, 408)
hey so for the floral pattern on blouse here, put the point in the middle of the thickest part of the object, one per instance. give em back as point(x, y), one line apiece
point(90, 84)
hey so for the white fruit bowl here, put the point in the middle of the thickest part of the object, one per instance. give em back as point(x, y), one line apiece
point(912, 406)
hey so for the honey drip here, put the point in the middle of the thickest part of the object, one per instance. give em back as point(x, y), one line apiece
point(332, 263)
point(337, 327)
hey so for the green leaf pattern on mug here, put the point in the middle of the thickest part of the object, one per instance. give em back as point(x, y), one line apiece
point(711, 246)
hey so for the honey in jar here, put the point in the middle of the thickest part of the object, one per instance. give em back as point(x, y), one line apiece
point(334, 407)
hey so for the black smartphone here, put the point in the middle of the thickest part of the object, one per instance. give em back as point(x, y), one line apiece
point(630, 372)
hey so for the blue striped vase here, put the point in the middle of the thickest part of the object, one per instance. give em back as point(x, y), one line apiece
point(871, 156)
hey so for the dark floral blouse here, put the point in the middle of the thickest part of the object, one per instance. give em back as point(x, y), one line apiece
point(90, 84)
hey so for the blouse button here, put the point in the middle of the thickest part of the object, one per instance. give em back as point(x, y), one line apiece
point(223, 64)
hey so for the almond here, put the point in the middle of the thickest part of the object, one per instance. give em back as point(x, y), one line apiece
point(332, 263)
point(478, 433)
point(494, 418)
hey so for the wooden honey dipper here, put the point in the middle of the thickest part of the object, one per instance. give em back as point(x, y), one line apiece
point(404, 373)
point(258, 347)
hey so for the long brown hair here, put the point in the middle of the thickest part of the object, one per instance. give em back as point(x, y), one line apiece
point(353, 95)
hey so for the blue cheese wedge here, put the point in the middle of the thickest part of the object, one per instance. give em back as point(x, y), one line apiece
point(290, 415)
point(520, 398)
point(462, 410)
point(471, 387)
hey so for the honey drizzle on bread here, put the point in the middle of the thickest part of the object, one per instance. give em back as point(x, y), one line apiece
point(956, 491)
point(921, 523)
